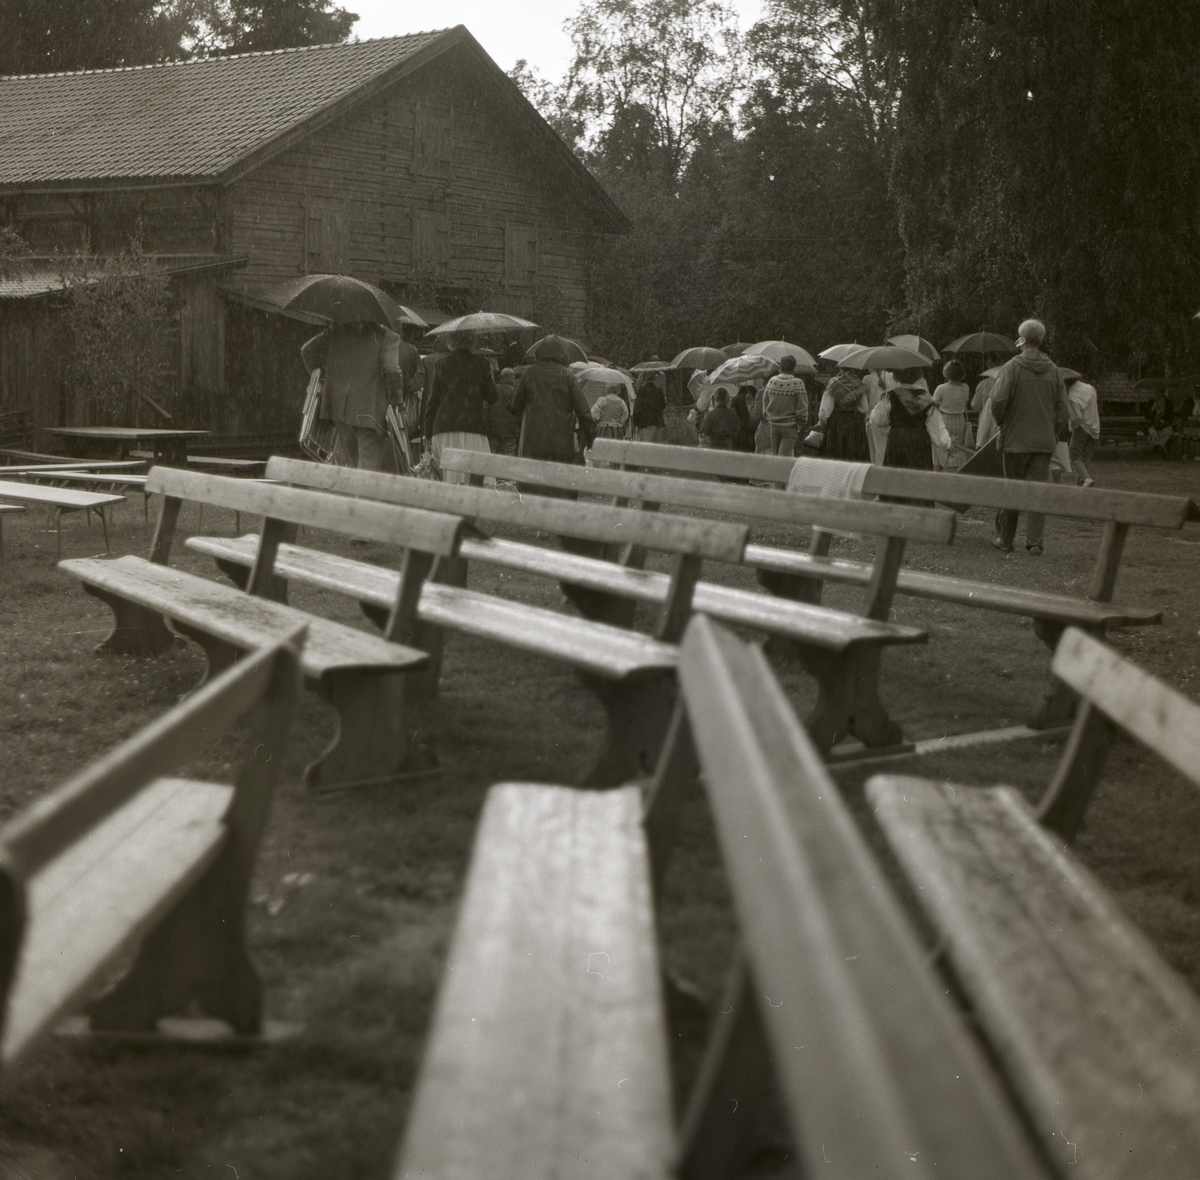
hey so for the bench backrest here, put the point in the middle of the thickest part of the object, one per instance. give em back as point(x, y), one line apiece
point(1117, 693)
point(428, 532)
point(715, 540)
point(265, 685)
point(1103, 504)
point(870, 1056)
point(877, 519)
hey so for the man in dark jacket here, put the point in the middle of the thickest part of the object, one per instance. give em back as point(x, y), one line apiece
point(551, 406)
point(365, 367)
point(1030, 405)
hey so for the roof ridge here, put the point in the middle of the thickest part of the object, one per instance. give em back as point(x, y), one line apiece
point(216, 57)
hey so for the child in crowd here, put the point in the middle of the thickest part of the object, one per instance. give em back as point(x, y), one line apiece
point(720, 424)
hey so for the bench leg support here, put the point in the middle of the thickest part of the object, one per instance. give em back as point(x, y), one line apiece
point(639, 714)
point(1058, 706)
point(848, 701)
point(136, 631)
point(371, 744)
point(423, 685)
point(219, 654)
point(734, 1075)
point(196, 953)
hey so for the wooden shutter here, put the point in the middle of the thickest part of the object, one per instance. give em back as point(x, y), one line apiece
point(326, 236)
point(520, 257)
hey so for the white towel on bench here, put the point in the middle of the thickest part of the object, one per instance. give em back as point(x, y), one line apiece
point(833, 478)
point(828, 477)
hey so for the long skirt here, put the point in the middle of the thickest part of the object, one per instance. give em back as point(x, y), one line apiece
point(909, 446)
point(461, 440)
point(957, 455)
point(846, 437)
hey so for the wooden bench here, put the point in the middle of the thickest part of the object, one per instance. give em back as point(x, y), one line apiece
point(793, 573)
point(126, 860)
point(1100, 1038)
point(361, 675)
point(841, 651)
point(93, 481)
point(547, 1054)
point(7, 510)
point(60, 501)
point(633, 675)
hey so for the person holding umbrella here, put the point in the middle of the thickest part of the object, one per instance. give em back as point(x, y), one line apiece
point(460, 389)
point(366, 366)
point(551, 406)
point(842, 418)
point(904, 410)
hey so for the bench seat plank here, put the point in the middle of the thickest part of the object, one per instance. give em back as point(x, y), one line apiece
point(92, 903)
point(611, 652)
point(547, 1058)
point(834, 630)
point(1100, 1038)
point(68, 498)
point(1017, 600)
point(242, 620)
point(597, 648)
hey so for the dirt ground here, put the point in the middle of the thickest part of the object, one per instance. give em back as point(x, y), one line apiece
point(355, 893)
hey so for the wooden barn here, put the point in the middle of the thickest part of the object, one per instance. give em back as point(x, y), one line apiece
point(413, 162)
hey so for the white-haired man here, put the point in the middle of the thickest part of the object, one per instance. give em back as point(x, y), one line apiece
point(1030, 405)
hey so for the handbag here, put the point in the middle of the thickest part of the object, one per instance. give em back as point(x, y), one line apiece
point(935, 427)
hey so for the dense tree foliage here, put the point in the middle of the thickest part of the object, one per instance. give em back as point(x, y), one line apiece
point(869, 166)
point(46, 36)
point(1047, 158)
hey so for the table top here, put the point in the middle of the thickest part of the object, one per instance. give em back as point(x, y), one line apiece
point(33, 493)
point(124, 433)
point(92, 477)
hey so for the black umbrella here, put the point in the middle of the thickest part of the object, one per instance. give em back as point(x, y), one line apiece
point(573, 349)
point(343, 300)
point(981, 342)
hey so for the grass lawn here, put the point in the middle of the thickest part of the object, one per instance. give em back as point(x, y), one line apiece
point(355, 892)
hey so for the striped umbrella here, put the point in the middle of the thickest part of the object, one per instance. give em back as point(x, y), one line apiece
point(744, 368)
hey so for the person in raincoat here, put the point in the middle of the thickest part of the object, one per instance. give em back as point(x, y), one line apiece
point(551, 406)
point(365, 366)
point(460, 389)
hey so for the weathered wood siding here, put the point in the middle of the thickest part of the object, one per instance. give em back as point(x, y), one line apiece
point(33, 339)
point(437, 180)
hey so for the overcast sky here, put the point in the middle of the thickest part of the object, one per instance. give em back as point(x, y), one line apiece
point(531, 29)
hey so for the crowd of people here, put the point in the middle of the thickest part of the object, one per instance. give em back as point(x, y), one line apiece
point(1044, 421)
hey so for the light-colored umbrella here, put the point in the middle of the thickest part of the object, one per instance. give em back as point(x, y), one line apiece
point(778, 349)
point(700, 358)
point(744, 368)
point(653, 366)
point(735, 349)
point(916, 344)
point(886, 357)
point(485, 323)
point(595, 380)
point(839, 352)
point(981, 342)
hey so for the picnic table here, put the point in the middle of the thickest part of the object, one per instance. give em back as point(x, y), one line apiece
point(167, 446)
point(60, 500)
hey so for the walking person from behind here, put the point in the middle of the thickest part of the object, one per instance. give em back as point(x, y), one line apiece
point(785, 407)
point(551, 407)
point(720, 423)
point(1084, 410)
point(1029, 405)
point(461, 386)
point(648, 409)
point(365, 367)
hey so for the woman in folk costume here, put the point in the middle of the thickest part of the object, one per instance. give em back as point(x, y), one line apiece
point(904, 409)
point(460, 389)
point(842, 418)
point(951, 398)
point(610, 413)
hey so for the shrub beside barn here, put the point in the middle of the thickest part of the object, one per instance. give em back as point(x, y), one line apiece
point(413, 162)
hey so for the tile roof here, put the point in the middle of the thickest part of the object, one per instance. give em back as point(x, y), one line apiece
point(192, 119)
